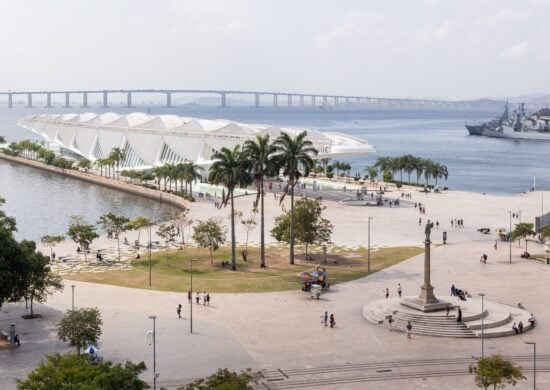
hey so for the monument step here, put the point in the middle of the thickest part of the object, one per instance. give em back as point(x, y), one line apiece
point(490, 322)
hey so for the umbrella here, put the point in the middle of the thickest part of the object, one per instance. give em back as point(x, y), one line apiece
point(91, 350)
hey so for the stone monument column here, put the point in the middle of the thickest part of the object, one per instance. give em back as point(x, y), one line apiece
point(427, 290)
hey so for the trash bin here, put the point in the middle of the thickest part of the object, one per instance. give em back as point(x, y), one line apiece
point(444, 237)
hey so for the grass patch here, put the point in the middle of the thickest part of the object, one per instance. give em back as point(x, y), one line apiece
point(170, 269)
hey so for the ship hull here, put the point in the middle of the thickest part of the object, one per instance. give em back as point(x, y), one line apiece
point(510, 134)
point(475, 129)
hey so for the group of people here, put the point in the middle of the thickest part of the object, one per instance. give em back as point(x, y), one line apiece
point(518, 328)
point(386, 291)
point(408, 327)
point(407, 195)
point(461, 294)
point(326, 320)
point(457, 223)
point(205, 298)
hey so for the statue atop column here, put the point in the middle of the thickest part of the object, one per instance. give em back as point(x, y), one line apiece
point(428, 229)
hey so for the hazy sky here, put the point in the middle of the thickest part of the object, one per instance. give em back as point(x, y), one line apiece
point(445, 48)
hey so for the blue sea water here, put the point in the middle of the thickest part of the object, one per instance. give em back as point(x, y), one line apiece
point(478, 164)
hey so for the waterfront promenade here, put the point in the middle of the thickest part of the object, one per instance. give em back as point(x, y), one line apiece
point(272, 331)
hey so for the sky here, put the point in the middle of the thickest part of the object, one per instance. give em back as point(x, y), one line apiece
point(454, 49)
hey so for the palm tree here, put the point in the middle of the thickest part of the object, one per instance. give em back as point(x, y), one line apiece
point(261, 155)
point(419, 165)
point(372, 172)
point(408, 165)
point(440, 172)
point(117, 156)
point(191, 173)
point(230, 169)
point(294, 153)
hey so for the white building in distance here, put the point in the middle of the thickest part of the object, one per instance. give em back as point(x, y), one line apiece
point(154, 140)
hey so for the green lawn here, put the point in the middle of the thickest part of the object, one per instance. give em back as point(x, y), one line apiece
point(170, 270)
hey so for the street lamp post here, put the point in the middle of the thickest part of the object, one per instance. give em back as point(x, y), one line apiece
point(155, 374)
point(325, 253)
point(482, 295)
point(510, 238)
point(149, 247)
point(191, 289)
point(368, 251)
point(534, 344)
point(72, 297)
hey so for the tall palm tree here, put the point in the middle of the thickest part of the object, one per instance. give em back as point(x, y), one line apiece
point(117, 156)
point(294, 153)
point(230, 169)
point(191, 173)
point(261, 155)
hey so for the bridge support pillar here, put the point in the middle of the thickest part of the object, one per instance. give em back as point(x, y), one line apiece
point(256, 100)
point(347, 101)
point(29, 100)
point(275, 100)
point(105, 100)
point(224, 104)
point(289, 100)
point(67, 100)
point(358, 101)
point(128, 99)
point(335, 101)
point(302, 104)
point(10, 100)
point(325, 100)
point(84, 99)
point(168, 100)
point(48, 100)
point(313, 100)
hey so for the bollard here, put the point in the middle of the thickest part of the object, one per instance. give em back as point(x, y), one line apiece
point(444, 237)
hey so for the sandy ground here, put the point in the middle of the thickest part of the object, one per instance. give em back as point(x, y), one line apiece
point(282, 331)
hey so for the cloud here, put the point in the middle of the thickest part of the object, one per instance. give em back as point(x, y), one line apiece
point(515, 51)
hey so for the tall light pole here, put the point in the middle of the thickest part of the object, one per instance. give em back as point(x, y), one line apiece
point(149, 247)
point(534, 344)
point(191, 289)
point(155, 374)
point(72, 299)
point(482, 295)
point(368, 252)
point(510, 237)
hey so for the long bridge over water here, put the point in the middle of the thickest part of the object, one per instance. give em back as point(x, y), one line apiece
point(275, 99)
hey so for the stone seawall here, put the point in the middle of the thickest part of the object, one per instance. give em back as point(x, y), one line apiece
point(130, 188)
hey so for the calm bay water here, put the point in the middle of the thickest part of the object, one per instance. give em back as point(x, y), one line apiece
point(42, 202)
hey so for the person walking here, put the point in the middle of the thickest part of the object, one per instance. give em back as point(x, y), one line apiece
point(399, 289)
point(459, 315)
point(16, 340)
point(409, 329)
point(496, 244)
point(437, 225)
point(207, 299)
point(332, 321)
point(204, 299)
point(190, 297)
point(390, 322)
point(447, 310)
point(197, 298)
point(419, 221)
point(325, 319)
point(178, 310)
point(387, 293)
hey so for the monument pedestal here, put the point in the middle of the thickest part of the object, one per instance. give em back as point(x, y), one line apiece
point(426, 301)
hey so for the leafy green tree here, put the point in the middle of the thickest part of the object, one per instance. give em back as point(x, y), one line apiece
point(310, 227)
point(295, 158)
point(84, 164)
point(115, 223)
point(167, 231)
point(263, 162)
point(51, 242)
point(182, 222)
point(523, 230)
point(72, 371)
point(230, 169)
point(82, 233)
point(80, 327)
point(116, 157)
point(224, 379)
point(496, 372)
point(372, 172)
point(545, 231)
point(139, 223)
point(2, 140)
point(40, 281)
point(210, 234)
point(249, 225)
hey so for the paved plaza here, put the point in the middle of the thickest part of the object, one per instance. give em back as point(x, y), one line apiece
point(281, 332)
